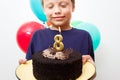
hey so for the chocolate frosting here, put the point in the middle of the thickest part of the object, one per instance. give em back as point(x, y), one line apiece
point(51, 53)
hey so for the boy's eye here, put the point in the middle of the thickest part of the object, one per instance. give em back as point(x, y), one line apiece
point(50, 6)
point(63, 5)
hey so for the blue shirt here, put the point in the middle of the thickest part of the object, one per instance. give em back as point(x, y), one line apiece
point(78, 40)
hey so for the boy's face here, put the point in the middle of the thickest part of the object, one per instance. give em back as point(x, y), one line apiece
point(58, 12)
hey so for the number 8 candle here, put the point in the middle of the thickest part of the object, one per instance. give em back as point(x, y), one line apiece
point(58, 45)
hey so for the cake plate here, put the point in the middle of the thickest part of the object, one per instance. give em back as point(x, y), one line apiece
point(25, 71)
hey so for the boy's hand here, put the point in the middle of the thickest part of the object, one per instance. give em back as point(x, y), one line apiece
point(86, 58)
point(22, 61)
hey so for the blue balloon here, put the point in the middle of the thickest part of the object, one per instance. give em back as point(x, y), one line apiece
point(75, 23)
point(93, 30)
point(37, 9)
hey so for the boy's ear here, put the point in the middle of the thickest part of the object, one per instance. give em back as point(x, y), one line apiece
point(73, 7)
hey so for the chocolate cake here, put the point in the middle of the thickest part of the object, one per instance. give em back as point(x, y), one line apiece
point(52, 65)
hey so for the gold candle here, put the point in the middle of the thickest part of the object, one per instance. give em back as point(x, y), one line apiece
point(58, 44)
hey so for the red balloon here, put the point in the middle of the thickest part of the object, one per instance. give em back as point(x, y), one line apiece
point(25, 32)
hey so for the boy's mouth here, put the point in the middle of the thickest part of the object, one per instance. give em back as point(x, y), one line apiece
point(58, 18)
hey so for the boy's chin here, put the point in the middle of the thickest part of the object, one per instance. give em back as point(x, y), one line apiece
point(58, 24)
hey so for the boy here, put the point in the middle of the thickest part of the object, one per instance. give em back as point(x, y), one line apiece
point(58, 13)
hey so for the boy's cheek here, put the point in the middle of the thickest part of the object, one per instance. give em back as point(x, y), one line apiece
point(47, 12)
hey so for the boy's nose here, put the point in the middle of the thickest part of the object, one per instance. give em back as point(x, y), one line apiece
point(57, 10)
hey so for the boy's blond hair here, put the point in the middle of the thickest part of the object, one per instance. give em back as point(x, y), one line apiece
point(73, 1)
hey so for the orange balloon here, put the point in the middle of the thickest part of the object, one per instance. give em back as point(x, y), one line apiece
point(48, 23)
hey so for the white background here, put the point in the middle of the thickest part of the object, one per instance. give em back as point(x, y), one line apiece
point(105, 14)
